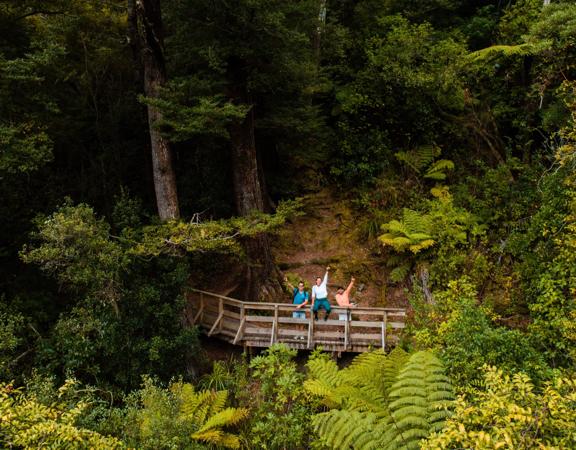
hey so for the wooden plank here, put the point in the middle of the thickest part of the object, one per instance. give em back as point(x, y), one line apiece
point(229, 324)
point(254, 330)
point(292, 320)
point(328, 335)
point(291, 333)
point(261, 319)
point(330, 323)
point(366, 337)
point(231, 314)
point(365, 324)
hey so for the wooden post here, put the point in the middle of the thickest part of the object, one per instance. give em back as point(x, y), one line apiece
point(220, 312)
point(201, 309)
point(347, 330)
point(216, 324)
point(384, 326)
point(274, 335)
point(240, 331)
point(311, 330)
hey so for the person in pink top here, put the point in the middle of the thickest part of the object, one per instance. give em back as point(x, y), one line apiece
point(343, 298)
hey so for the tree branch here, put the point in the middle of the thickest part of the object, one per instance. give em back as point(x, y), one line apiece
point(44, 12)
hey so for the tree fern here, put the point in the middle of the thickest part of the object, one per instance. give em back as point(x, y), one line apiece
point(420, 401)
point(412, 233)
point(421, 160)
point(344, 429)
point(419, 157)
point(507, 51)
point(384, 402)
point(437, 171)
point(206, 411)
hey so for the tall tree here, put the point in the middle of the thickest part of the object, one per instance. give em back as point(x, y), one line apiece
point(261, 274)
point(257, 56)
point(148, 40)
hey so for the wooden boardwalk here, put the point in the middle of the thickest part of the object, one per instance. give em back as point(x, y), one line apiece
point(255, 324)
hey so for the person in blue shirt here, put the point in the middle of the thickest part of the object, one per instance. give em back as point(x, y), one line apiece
point(300, 298)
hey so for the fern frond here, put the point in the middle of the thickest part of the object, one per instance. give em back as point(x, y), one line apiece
point(437, 171)
point(344, 429)
point(218, 401)
point(419, 157)
point(421, 245)
point(226, 417)
point(399, 273)
point(324, 369)
point(415, 397)
point(229, 441)
point(502, 50)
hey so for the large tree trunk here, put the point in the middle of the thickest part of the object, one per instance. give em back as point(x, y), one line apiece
point(146, 18)
point(261, 276)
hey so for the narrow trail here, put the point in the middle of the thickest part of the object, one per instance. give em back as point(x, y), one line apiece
point(327, 235)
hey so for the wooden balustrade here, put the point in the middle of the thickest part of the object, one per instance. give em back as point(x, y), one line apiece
point(256, 324)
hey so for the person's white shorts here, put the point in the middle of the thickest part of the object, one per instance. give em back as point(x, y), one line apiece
point(342, 316)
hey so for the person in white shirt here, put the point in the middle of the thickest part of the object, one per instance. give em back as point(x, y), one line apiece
point(320, 296)
point(343, 298)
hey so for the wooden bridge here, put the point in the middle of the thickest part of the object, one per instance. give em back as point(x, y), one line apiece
point(255, 324)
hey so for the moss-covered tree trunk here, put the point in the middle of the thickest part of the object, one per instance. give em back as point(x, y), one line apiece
point(149, 31)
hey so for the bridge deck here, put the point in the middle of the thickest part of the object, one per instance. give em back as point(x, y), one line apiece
point(254, 324)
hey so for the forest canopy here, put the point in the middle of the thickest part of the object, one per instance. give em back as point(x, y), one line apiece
point(424, 148)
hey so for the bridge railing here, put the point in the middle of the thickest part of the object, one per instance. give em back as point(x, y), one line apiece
point(259, 324)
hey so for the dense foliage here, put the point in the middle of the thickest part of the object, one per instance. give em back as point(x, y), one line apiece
point(448, 127)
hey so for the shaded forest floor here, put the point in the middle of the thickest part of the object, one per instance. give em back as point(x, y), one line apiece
point(327, 234)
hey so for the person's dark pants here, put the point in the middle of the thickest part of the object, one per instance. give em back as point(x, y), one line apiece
point(321, 303)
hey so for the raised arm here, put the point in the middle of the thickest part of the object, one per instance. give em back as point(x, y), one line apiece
point(325, 280)
point(290, 285)
point(350, 286)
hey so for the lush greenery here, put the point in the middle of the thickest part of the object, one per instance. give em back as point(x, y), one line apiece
point(447, 126)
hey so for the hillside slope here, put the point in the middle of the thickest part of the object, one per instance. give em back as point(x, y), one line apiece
point(327, 234)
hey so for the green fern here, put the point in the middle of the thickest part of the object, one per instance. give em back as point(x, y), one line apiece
point(507, 51)
point(206, 410)
point(418, 158)
point(400, 272)
point(412, 233)
point(420, 402)
point(421, 160)
point(384, 402)
point(437, 171)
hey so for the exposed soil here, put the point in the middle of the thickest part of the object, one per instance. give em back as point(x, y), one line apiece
point(327, 235)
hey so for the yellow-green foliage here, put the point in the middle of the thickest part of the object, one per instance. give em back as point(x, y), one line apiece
point(28, 424)
point(201, 415)
point(412, 232)
point(443, 223)
point(509, 413)
point(505, 51)
point(380, 402)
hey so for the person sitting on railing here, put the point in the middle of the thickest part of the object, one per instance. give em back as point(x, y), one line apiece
point(299, 297)
point(320, 296)
point(343, 298)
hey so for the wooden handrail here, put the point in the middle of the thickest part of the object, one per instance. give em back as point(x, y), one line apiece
point(271, 306)
point(258, 324)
